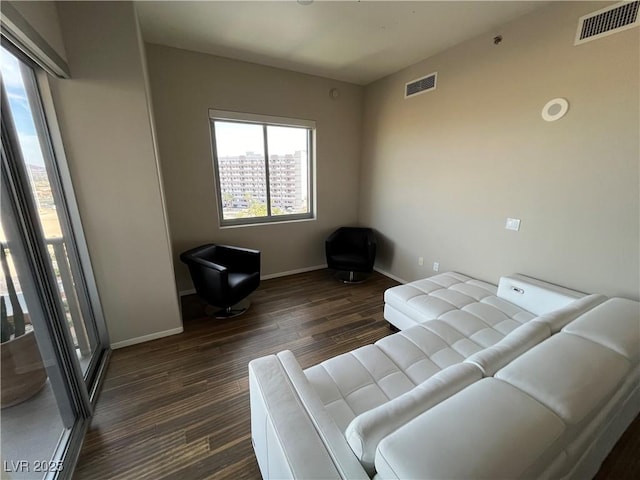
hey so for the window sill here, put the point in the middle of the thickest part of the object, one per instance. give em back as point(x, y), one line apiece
point(265, 224)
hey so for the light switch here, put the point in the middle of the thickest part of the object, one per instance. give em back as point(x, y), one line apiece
point(513, 224)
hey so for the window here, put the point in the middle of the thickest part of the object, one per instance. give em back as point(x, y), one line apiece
point(263, 167)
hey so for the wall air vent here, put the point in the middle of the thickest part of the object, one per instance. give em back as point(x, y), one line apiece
point(607, 21)
point(420, 85)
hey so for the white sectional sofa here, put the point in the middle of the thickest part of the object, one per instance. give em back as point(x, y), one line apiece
point(523, 380)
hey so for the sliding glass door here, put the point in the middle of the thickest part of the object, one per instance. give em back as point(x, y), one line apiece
point(54, 342)
point(37, 162)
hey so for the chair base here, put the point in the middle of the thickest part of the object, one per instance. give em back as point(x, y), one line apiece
point(229, 312)
point(351, 277)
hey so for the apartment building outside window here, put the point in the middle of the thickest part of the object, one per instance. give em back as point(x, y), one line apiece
point(263, 166)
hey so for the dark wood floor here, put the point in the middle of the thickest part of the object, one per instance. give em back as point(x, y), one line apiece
point(178, 407)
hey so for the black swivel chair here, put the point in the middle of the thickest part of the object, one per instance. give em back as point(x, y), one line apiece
point(223, 275)
point(352, 250)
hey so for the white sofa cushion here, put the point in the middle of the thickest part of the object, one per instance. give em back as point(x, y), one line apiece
point(489, 430)
point(523, 338)
point(568, 374)
point(369, 428)
point(614, 324)
point(357, 381)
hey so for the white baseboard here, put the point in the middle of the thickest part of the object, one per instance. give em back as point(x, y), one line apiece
point(293, 272)
point(387, 274)
point(175, 331)
point(146, 338)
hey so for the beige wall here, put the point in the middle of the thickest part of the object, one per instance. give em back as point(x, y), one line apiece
point(184, 86)
point(104, 121)
point(43, 17)
point(441, 172)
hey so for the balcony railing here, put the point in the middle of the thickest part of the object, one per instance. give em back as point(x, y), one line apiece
point(56, 249)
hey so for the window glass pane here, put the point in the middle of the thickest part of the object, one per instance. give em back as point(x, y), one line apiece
point(288, 169)
point(241, 169)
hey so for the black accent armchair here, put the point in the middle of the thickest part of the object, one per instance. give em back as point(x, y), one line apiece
point(352, 250)
point(223, 275)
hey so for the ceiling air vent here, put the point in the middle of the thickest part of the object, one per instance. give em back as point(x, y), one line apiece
point(607, 21)
point(420, 85)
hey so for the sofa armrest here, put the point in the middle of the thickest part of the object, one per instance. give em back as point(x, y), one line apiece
point(203, 262)
point(240, 259)
point(558, 319)
point(519, 341)
point(536, 296)
point(288, 440)
point(367, 430)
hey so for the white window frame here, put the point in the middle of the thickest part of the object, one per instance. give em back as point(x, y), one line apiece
point(264, 121)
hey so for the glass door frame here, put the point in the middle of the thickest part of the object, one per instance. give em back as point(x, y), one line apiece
point(37, 87)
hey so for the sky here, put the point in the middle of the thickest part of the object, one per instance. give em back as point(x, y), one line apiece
point(234, 139)
point(19, 106)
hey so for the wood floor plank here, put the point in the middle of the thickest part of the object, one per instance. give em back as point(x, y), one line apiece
point(178, 407)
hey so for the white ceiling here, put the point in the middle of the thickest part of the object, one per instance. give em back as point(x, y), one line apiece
point(353, 41)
